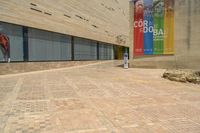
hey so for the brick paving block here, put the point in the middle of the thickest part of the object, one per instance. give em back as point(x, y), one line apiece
point(74, 120)
point(181, 126)
point(30, 124)
point(21, 107)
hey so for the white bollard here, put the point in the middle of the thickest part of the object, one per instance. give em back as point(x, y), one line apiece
point(125, 60)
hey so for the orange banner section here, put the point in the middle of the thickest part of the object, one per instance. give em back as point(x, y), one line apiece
point(169, 27)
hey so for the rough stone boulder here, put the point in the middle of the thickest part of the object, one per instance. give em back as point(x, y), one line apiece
point(183, 75)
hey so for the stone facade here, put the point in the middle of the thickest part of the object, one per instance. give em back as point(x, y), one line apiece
point(101, 20)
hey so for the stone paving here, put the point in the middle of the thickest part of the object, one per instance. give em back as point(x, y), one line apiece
point(98, 98)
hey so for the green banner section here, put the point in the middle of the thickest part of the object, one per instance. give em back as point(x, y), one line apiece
point(158, 15)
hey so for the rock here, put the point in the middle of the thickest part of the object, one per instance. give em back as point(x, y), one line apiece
point(197, 81)
point(179, 79)
point(197, 73)
point(183, 75)
point(191, 78)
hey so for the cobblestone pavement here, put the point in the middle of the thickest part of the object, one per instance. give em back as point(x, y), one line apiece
point(101, 98)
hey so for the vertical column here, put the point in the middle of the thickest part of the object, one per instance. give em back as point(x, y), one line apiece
point(72, 48)
point(97, 50)
point(25, 44)
point(127, 51)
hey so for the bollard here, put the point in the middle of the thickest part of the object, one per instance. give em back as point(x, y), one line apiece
point(125, 60)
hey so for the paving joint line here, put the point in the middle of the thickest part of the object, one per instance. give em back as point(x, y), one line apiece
point(11, 98)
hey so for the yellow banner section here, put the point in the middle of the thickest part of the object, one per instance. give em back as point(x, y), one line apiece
point(169, 27)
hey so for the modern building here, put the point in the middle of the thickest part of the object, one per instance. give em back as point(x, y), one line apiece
point(166, 37)
point(65, 30)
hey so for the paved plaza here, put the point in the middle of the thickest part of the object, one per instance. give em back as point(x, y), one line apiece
point(98, 98)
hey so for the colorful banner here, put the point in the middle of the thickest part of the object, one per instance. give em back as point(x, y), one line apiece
point(138, 27)
point(153, 27)
point(148, 27)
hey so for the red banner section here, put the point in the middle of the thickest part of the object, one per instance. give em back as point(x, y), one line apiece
point(138, 27)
